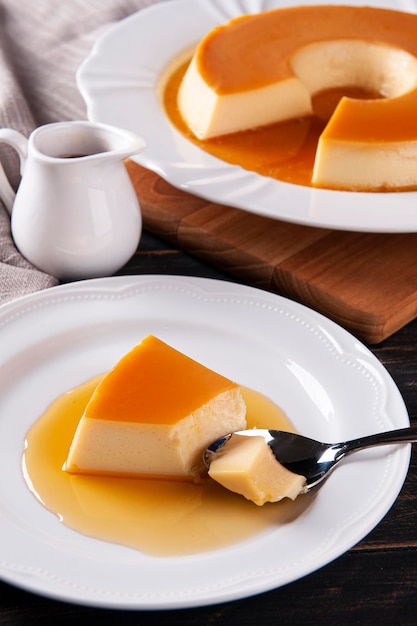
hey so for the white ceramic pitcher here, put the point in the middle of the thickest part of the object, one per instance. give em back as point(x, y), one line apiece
point(75, 214)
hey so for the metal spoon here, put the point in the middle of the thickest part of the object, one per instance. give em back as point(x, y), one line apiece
point(310, 458)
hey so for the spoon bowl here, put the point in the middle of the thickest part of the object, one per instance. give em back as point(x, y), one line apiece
point(310, 458)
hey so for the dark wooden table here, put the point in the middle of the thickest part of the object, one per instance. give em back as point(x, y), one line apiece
point(374, 583)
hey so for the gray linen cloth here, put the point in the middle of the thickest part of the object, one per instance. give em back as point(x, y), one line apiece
point(42, 44)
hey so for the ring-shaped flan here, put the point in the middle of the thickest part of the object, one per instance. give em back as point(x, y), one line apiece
point(264, 68)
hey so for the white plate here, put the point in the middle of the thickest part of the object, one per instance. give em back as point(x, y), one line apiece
point(119, 82)
point(329, 384)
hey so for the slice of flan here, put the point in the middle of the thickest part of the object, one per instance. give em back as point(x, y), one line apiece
point(246, 465)
point(153, 415)
point(265, 68)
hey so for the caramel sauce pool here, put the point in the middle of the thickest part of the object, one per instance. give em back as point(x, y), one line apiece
point(283, 151)
point(160, 518)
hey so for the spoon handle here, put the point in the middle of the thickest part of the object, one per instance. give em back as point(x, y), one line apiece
point(402, 435)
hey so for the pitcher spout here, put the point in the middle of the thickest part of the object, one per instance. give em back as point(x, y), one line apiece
point(118, 143)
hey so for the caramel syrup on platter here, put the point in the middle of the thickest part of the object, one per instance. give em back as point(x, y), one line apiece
point(284, 151)
point(157, 517)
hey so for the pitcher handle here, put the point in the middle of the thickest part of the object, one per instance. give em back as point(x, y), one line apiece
point(17, 141)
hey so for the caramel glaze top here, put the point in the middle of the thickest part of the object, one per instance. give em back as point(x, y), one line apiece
point(155, 384)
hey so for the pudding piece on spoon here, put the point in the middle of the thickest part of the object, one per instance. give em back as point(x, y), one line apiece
point(247, 465)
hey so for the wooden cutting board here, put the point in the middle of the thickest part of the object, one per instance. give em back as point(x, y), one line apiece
point(365, 282)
